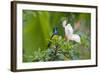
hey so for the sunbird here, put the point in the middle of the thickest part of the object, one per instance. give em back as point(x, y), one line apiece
point(55, 33)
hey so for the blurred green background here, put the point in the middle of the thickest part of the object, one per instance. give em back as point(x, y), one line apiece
point(38, 27)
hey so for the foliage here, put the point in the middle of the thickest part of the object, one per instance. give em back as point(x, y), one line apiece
point(61, 49)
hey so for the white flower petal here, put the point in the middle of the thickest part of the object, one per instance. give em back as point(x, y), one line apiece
point(64, 23)
point(75, 37)
point(68, 30)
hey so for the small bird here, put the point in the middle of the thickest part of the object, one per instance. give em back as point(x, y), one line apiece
point(69, 32)
point(55, 33)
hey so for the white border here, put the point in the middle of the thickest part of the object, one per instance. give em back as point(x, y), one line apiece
point(21, 65)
